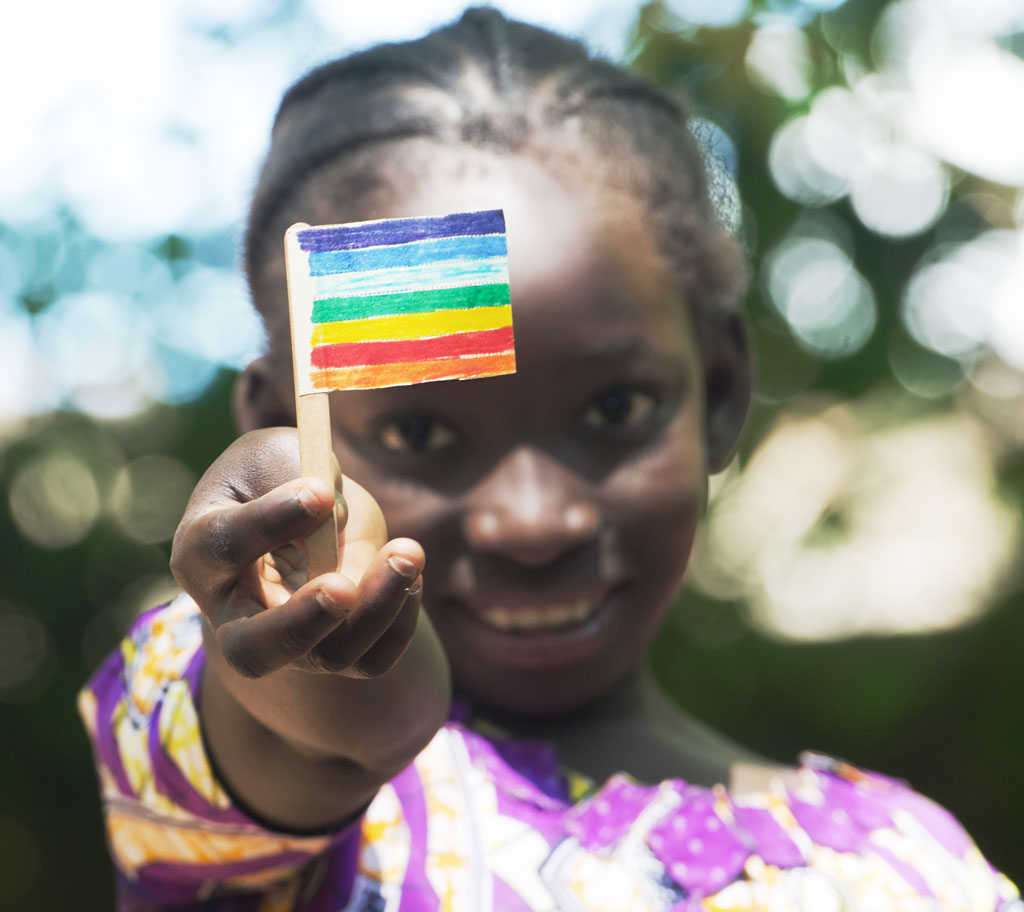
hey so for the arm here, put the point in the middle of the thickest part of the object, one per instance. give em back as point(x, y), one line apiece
point(315, 692)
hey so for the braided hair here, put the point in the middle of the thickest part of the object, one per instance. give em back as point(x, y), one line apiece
point(344, 131)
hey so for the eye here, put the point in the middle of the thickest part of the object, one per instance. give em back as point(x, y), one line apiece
point(415, 435)
point(620, 408)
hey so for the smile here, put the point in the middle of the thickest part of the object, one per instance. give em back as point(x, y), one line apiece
point(533, 618)
point(515, 631)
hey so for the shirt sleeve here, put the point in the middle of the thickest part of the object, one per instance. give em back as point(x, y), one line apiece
point(174, 833)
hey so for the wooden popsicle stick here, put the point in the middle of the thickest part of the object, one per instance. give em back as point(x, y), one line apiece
point(313, 419)
point(313, 414)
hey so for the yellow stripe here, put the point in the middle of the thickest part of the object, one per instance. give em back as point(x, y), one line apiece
point(413, 326)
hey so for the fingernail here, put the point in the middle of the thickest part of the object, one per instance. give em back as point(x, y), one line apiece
point(416, 588)
point(402, 566)
point(308, 499)
point(325, 599)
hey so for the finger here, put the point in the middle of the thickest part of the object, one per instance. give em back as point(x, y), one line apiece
point(213, 549)
point(382, 656)
point(286, 565)
point(383, 591)
point(256, 642)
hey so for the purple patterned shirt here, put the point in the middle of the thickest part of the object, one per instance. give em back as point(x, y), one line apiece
point(482, 822)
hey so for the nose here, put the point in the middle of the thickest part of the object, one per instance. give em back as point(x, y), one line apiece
point(530, 509)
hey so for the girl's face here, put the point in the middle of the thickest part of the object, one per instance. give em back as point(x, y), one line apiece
point(557, 506)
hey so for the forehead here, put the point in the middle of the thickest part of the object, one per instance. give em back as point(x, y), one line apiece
point(593, 302)
point(573, 239)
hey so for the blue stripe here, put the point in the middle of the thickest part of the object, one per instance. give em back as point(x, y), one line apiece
point(450, 274)
point(400, 231)
point(434, 250)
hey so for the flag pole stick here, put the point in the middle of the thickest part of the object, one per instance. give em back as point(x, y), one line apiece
point(312, 413)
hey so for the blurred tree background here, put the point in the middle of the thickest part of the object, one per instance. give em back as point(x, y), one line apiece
point(856, 587)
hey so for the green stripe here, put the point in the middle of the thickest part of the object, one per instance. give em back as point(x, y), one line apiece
point(331, 310)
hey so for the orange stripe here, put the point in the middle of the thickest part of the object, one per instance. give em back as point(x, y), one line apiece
point(348, 378)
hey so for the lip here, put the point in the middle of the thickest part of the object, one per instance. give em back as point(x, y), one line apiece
point(510, 630)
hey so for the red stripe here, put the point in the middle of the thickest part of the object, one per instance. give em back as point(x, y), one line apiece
point(356, 354)
point(348, 378)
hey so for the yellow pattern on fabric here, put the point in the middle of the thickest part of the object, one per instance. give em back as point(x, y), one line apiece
point(87, 709)
point(384, 853)
point(449, 848)
point(137, 841)
point(847, 881)
point(181, 739)
point(148, 826)
point(281, 898)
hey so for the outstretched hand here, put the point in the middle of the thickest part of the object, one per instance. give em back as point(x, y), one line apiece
point(239, 553)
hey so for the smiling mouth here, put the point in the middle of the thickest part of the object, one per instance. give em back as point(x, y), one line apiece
point(528, 619)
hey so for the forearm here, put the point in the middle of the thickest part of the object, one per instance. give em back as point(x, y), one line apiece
point(304, 750)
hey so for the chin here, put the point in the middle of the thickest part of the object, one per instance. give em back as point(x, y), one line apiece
point(537, 695)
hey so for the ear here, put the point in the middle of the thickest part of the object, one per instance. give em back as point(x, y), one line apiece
point(259, 401)
point(728, 386)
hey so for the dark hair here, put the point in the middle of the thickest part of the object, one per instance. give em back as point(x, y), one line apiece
point(486, 82)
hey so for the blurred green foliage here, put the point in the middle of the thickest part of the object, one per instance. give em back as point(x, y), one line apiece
point(942, 710)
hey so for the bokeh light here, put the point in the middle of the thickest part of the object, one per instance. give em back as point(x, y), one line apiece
point(778, 59)
point(996, 396)
point(796, 172)
point(25, 647)
point(834, 526)
point(24, 390)
point(148, 497)
point(902, 192)
point(969, 297)
point(95, 343)
point(921, 371)
point(54, 499)
point(828, 304)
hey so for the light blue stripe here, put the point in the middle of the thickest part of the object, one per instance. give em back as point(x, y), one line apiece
point(411, 278)
point(434, 250)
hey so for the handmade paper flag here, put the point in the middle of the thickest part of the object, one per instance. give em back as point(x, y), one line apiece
point(388, 303)
point(400, 301)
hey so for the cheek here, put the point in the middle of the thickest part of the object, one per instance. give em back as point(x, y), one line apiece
point(410, 510)
point(657, 501)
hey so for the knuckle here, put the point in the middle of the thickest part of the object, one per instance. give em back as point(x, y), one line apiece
point(221, 544)
point(178, 564)
point(373, 666)
point(318, 661)
point(243, 659)
point(289, 642)
point(247, 664)
point(334, 661)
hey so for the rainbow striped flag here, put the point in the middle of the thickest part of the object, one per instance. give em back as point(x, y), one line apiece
point(399, 301)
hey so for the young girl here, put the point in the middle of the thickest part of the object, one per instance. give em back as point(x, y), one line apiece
point(272, 742)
